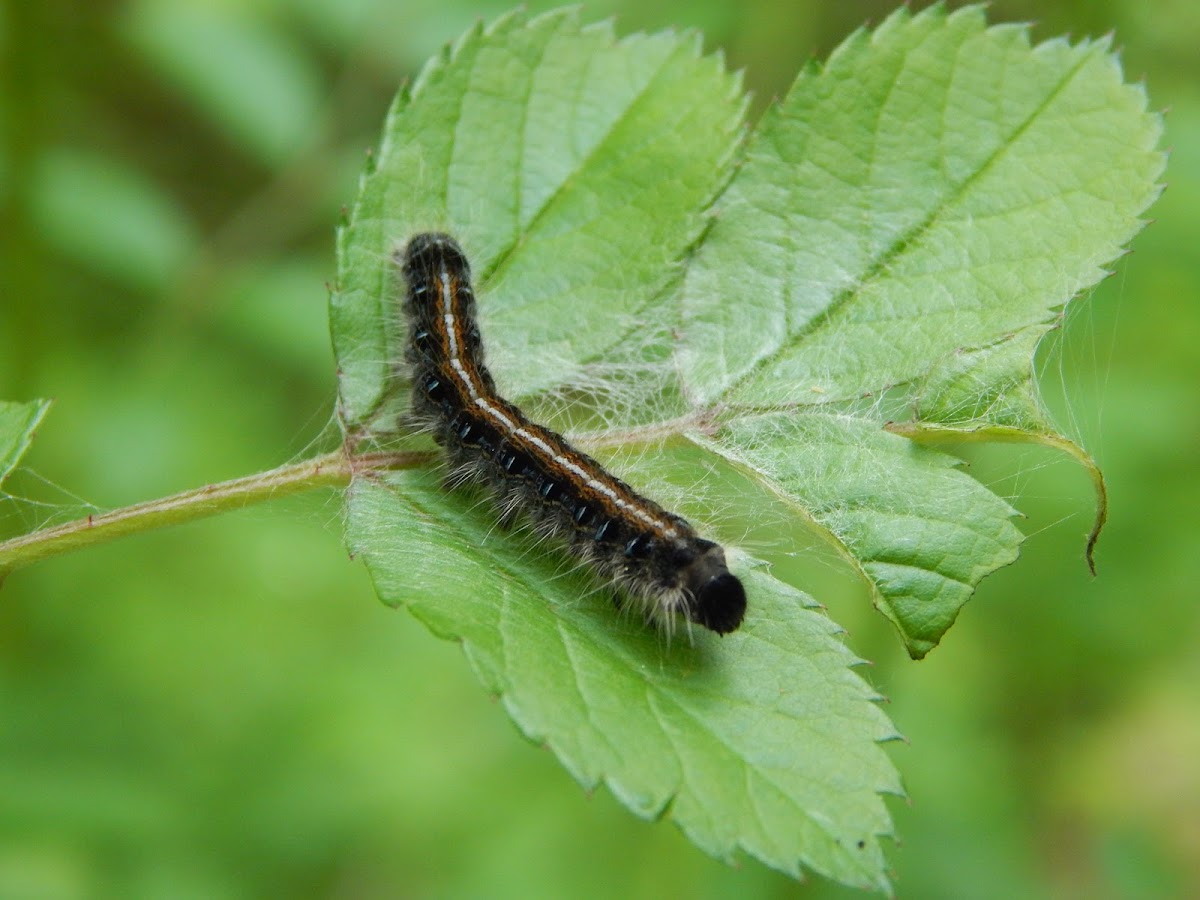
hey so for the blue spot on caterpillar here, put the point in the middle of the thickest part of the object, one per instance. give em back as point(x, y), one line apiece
point(655, 558)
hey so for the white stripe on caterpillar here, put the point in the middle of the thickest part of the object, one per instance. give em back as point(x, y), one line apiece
point(653, 556)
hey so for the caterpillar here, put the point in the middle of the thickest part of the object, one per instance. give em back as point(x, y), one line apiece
point(653, 557)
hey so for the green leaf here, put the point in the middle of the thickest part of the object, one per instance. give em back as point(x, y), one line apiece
point(763, 741)
point(573, 168)
point(18, 422)
point(899, 234)
point(937, 188)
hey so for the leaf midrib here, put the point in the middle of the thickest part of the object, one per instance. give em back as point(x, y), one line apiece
point(495, 270)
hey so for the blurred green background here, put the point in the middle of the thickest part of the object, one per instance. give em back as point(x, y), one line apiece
point(224, 709)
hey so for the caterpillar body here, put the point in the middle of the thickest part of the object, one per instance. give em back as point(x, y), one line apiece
point(655, 558)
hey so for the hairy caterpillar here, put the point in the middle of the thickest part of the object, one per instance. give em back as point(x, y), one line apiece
point(654, 557)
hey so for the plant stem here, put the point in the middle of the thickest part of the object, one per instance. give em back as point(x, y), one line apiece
point(332, 470)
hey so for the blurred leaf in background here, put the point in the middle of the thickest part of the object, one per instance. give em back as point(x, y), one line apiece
point(225, 710)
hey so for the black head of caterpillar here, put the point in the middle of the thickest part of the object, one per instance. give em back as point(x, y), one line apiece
point(655, 558)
